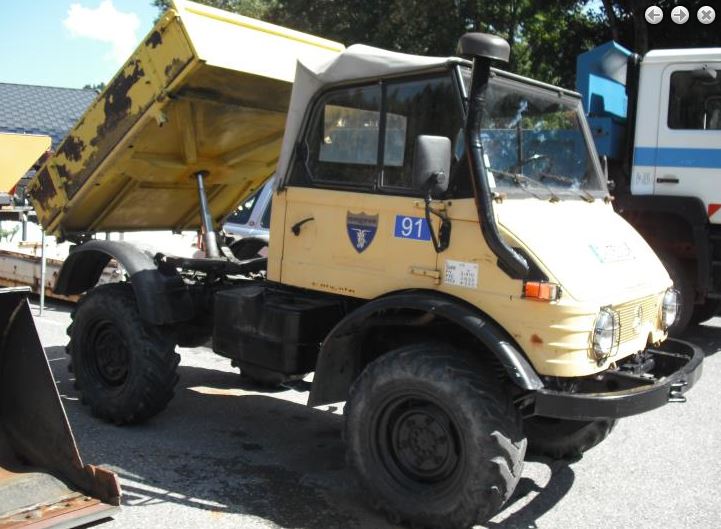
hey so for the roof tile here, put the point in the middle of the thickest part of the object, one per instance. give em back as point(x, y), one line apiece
point(31, 109)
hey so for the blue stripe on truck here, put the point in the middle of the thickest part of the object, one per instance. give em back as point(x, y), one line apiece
point(677, 157)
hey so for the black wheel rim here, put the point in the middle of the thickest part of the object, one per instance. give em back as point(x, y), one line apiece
point(109, 355)
point(417, 442)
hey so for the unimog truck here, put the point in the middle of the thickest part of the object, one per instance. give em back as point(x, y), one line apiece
point(443, 256)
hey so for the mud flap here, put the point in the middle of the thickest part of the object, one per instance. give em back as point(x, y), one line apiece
point(43, 481)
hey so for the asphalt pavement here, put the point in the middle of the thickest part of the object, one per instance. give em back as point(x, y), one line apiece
point(229, 457)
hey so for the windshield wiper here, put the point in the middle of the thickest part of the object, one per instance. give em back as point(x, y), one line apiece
point(522, 181)
point(582, 193)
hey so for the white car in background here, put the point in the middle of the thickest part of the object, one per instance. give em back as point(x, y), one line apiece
point(248, 228)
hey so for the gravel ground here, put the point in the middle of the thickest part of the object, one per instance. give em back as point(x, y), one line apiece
point(233, 458)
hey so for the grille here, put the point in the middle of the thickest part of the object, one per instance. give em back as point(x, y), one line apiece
point(627, 314)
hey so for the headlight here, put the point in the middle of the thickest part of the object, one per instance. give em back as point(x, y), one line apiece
point(669, 308)
point(605, 334)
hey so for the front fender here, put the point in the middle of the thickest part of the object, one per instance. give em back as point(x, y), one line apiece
point(162, 297)
point(339, 360)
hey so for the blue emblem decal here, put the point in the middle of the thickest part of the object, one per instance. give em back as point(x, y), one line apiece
point(361, 229)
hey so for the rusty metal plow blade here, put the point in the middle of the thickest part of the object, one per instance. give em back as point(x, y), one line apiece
point(43, 481)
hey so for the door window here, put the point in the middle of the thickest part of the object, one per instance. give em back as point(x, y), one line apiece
point(695, 100)
point(414, 108)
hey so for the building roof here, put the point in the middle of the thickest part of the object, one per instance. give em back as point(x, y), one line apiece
point(47, 110)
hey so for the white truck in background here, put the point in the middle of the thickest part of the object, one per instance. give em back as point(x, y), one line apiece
point(657, 121)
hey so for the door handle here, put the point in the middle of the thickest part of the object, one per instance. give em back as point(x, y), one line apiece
point(295, 228)
point(667, 180)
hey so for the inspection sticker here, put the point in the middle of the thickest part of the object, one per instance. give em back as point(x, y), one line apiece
point(612, 252)
point(412, 228)
point(461, 274)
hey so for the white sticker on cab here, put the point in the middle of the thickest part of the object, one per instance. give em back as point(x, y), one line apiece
point(461, 274)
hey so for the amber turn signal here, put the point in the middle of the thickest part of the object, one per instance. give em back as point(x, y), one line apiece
point(541, 291)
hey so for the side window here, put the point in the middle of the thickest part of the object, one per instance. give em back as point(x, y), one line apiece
point(265, 221)
point(413, 108)
point(242, 214)
point(695, 101)
point(343, 139)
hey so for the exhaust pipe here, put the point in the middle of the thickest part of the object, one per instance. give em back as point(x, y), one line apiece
point(43, 481)
point(484, 48)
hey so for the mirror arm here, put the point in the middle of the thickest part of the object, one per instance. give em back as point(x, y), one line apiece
point(440, 242)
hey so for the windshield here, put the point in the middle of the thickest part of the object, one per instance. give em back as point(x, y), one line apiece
point(533, 139)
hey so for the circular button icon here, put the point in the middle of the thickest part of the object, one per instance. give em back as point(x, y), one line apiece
point(654, 15)
point(706, 14)
point(679, 14)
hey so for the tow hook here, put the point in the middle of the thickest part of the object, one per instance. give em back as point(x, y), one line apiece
point(676, 392)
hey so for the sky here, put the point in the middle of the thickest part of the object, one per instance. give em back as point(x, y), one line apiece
point(69, 43)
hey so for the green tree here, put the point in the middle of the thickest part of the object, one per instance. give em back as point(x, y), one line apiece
point(250, 8)
point(545, 36)
point(627, 24)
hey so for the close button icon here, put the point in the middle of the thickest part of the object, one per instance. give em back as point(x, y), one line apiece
point(706, 14)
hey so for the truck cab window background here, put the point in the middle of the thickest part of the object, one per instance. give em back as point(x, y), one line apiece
point(349, 132)
point(695, 100)
point(242, 214)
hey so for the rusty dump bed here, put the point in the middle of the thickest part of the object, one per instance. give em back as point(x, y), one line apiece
point(43, 481)
point(206, 90)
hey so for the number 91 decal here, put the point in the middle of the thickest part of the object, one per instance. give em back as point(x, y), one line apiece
point(415, 228)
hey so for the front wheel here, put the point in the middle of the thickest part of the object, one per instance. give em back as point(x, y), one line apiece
point(563, 438)
point(125, 370)
point(706, 311)
point(434, 438)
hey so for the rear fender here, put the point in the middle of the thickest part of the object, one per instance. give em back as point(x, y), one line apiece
point(162, 297)
point(340, 359)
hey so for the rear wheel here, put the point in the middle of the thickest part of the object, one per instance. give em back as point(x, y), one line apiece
point(125, 370)
point(564, 439)
point(436, 441)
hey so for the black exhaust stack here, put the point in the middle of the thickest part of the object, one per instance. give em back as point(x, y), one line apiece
point(484, 48)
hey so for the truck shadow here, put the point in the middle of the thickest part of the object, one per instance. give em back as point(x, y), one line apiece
point(535, 500)
point(219, 451)
point(706, 336)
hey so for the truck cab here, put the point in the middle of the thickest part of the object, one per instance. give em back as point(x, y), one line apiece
point(656, 120)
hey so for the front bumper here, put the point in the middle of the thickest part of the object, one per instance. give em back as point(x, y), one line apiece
point(658, 376)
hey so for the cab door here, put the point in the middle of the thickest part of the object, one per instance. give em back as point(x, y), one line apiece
point(688, 157)
point(354, 223)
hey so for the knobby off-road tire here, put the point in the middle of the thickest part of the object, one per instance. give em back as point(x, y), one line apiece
point(434, 438)
point(125, 369)
point(684, 284)
point(564, 439)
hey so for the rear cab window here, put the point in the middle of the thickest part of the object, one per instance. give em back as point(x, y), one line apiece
point(364, 137)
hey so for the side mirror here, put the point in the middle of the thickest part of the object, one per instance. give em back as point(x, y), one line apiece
point(432, 163)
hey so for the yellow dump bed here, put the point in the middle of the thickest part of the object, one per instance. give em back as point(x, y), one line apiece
point(206, 90)
point(18, 152)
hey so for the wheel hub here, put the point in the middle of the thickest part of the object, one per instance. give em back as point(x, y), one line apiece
point(421, 441)
point(112, 359)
